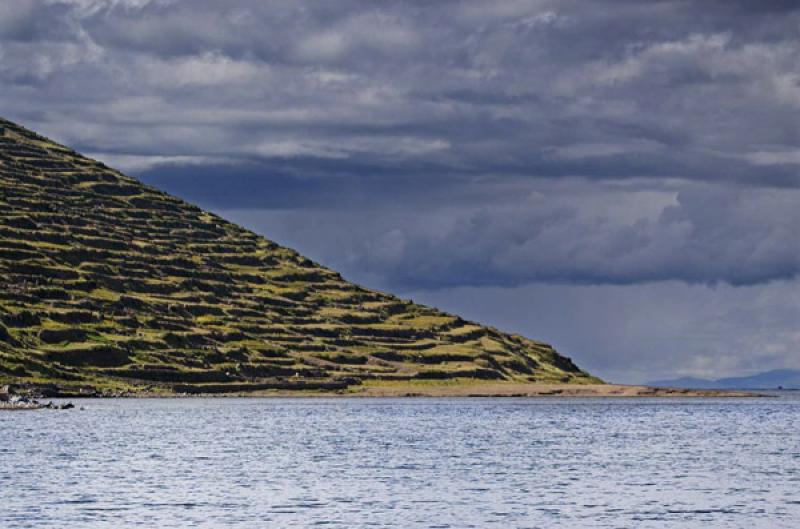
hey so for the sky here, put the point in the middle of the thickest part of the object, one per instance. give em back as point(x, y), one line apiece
point(621, 180)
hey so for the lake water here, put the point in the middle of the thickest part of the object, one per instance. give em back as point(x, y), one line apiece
point(406, 463)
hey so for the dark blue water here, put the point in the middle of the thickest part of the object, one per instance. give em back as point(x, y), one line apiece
point(403, 463)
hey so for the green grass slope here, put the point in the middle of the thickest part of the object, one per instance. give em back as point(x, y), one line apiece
point(110, 285)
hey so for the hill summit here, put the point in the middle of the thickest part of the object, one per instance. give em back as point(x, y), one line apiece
point(108, 285)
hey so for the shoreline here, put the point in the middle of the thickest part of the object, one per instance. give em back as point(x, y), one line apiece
point(470, 389)
point(548, 390)
point(512, 390)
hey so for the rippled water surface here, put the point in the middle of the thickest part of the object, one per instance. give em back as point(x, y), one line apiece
point(403, 463)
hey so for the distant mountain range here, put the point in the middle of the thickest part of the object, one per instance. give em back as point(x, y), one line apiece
point(777, 378)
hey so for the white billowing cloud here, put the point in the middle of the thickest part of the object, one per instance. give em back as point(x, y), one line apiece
point(322, 47)
point(370, 32)
point(670, 58)
point(591, 150)
point(477, 11)
point(774, 157)
point(291, 149)
point(25, 61)
point(134, 163)
point(404, 145)
point(14, 14)
point(345, 148)
point(207, 69)
point(787, 87)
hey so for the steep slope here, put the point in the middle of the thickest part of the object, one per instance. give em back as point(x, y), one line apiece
point(106, 283)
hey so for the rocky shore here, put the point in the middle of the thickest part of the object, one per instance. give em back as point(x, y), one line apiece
point(10, 400)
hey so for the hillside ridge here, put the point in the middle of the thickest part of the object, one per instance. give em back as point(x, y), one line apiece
point(108, 285)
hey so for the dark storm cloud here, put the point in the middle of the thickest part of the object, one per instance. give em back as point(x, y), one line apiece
point(447, 143)
point(496, 234)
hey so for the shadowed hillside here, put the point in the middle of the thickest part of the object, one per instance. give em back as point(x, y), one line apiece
point(111, 285)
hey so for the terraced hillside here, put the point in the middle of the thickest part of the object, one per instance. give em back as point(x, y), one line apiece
point(107, 284)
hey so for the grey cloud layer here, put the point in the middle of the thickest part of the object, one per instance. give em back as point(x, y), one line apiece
point(555, 232)
point(633, 333)
point(448, 143)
